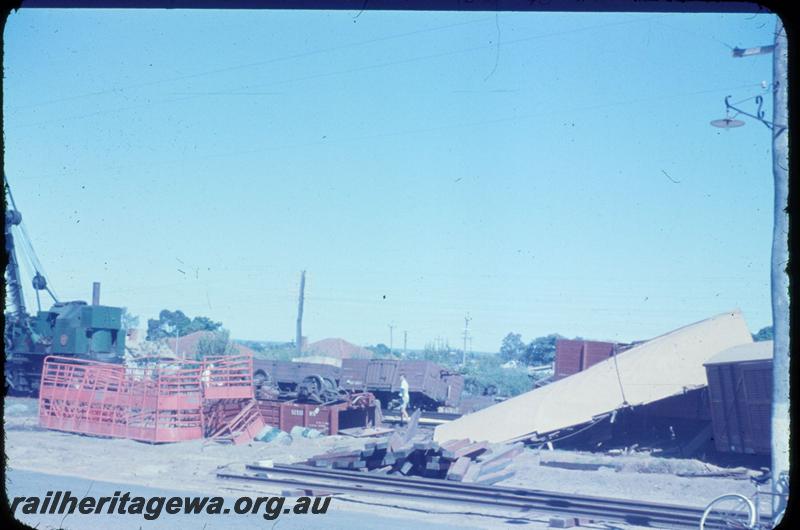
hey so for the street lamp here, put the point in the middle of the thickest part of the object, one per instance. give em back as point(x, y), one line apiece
point(780, 250)
point(730, 122)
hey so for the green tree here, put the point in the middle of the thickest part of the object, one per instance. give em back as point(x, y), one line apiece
point(512, 347)
point(170, 323)
point(381, 350)
point(487, 376)
point(218, 342)
point(764, 334)
point(541, 350)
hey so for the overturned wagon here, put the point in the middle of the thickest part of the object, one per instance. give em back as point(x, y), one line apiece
point(287, 375)
point(430, 385)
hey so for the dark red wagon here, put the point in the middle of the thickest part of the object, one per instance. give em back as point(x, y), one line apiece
point(740, 394)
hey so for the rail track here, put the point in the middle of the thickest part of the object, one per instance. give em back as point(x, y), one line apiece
point(427, 419)
point(509, 499)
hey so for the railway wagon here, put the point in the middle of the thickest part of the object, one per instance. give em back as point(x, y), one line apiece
point(286, 375)
point(740, 389)
point(430, 385)
point(355, 410)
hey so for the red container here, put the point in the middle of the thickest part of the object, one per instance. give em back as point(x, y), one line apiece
point(573, 356)
point(569, 358)
point(595, 352)
point(357, 411)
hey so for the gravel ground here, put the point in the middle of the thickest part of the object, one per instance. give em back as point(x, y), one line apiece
point(191, 466)
point(638, 476)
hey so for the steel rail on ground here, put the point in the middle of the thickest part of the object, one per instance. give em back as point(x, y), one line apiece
point(631, 512)
point(426, 415)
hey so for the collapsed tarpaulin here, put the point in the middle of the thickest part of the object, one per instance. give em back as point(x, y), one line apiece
point(657, 369)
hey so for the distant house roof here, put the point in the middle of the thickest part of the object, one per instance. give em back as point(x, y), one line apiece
point(751, 351)
point(188, 345)
point(241, 349)
point(339, 349)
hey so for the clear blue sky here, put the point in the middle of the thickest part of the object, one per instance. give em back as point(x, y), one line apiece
point(416, 170)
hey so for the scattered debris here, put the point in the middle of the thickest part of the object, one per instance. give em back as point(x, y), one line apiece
point(242, 428)
point(273, 434)
point(305, 432)
point(563, 522)
point(365, 432)
point(411, 455)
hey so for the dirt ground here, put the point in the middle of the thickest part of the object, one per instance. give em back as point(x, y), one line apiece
point(191, 466)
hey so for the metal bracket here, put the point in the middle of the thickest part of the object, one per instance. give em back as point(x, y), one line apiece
point(759, 115)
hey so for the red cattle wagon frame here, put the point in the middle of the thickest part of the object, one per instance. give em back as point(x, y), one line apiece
point(151, 402)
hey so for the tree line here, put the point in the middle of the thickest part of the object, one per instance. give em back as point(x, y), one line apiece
point(539, 351)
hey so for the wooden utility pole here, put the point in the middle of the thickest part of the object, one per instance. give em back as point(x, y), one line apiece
point(299, 335)
point(467, 318)
point(405, 342)
point(779, 278)
point(780, 260)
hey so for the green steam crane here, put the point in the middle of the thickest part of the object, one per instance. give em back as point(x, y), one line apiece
point(72, 328)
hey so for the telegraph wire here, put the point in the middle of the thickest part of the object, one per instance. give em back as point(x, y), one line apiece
point(478, 123)
point(421, 130)
point(453, 52)
point(234, 90)
point(702, 36)
point(298, 55)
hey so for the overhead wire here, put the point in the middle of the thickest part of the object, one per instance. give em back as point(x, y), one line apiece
point(479, 123)
point(702, 36)
point(437, 128)
point(298, 55)
point(235, 90)
point(455, 52)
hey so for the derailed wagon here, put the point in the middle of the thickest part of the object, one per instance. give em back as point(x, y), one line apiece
point(430, 385)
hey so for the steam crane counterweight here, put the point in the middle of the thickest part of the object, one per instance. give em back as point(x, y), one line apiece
point(67, 328)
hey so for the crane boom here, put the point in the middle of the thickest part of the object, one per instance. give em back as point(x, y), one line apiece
point(13, 282)
point(71, 328)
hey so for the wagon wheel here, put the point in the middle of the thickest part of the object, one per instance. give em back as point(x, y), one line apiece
point(311, 388)
point(329, 384)
point(261, 378)
point(330, 390)
point(313, 383)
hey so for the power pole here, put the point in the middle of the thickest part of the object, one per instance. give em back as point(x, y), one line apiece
point(405, 342)
point(779, 278)
point(391, 338)
point(299, 335)
point(467, 319)
point(780, 260)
